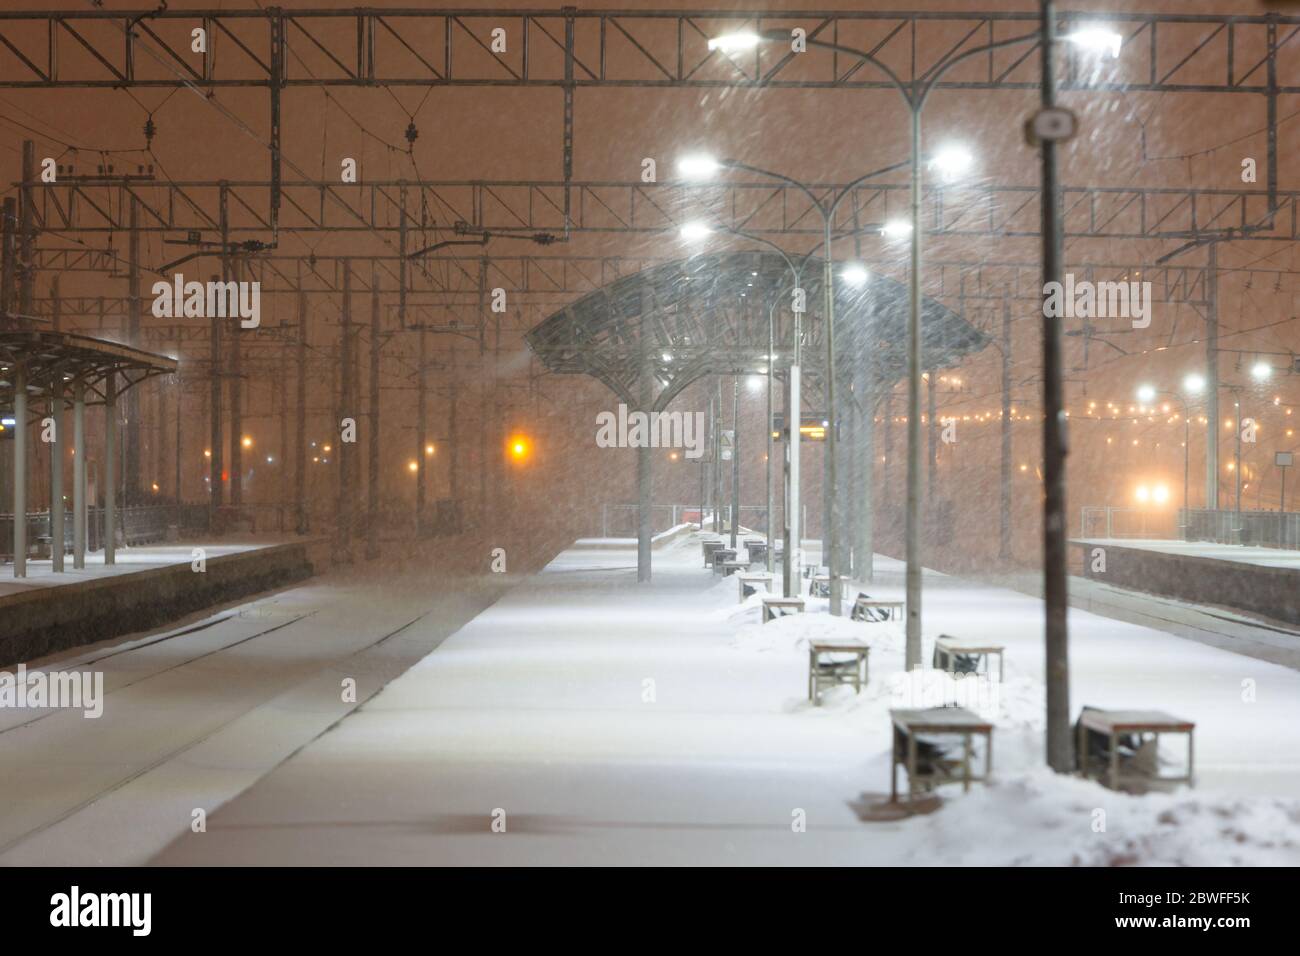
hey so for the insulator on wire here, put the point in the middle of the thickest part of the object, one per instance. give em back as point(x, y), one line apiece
point(412, 134)
point(150, 130)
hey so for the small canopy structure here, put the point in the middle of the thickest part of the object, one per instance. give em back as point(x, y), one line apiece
point(708, 315)
point(53, 360)
point(650, 335)
point(38, 369)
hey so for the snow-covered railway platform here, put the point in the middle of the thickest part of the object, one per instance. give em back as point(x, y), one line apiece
point(586, 719)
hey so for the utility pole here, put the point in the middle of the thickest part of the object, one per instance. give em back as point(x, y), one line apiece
point(132, 489)
point(236, 404)
point(300, 440)
point(215, 488)
point(1004, 509)
point(282, 486)
point(1212, 379)
point(932, 434)
point(735, 458)
point(1055, 593)
point(8, 255)
point(27, 236)
point(343, 450)
point(422, 431)
point(372, 482)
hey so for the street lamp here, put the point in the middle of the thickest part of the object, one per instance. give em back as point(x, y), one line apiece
point(1097, 39)
point(915, 94)
point(735, 42)
point(701, 167)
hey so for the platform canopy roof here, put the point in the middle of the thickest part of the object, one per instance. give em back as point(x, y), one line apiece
point(708, 315)
point(65, 357)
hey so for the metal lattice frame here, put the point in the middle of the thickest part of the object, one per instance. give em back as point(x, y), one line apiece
point(707, 315)
point(64, 357)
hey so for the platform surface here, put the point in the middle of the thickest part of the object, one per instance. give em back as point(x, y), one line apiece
point(41, 574)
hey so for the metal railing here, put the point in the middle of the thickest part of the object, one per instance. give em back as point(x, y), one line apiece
point(620, 520)
point(1103, 521)
point(1264, 529)
point(137, 525)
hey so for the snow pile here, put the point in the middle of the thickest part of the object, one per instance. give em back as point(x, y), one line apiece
point(1039, 818)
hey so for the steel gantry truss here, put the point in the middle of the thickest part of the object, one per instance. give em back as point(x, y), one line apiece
point(516, 207)
point(286, 49)
point(568, 49)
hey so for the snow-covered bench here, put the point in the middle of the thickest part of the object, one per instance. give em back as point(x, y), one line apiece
point(835, 662)
point(868, 610)
point(1121, 748)
point(749, 584)
point(958, 657)
point(774, 607)
point(935, 747)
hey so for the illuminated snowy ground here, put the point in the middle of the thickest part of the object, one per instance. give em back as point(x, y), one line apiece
point(539, 708)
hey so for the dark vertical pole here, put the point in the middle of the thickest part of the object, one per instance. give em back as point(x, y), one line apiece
point(1059, 743)
point(422, 431)
point(1212, 379)
point(215, 487)
point(8, 256)
point(735, 458)
point(1004, 505)
point(20, 469)
point(132, 489)
point(343, 449)
point(644, 478)
point(176, 452)
point(27, 235)
point(372, 479)
point(453, 439)
point(236, 403)
point(300, 438)
point(110, 469)
point(282, 462)
point(932, 451)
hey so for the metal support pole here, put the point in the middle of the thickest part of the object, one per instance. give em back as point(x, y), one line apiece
point(793, 506)
point(56, 474)
point(1187, 470)
point(1236, 404)
point(1212, 379)
point(343, 450)
point(132, 488)
point(912, 548)
point(110, 469)
point(932, 434)
point(26, 264)
point(767, 430)
point(1056, 597)
point(300, 425)
point(20, 470)
point(176, 453)
point(372, 481)
point(717, 468)
point(79, 474)
point(830, 538)
point(735, 458)
point(236, 405)
point(8, 260)
point(644, 533)
point(422, 430)
point(865, 568)
point(1004, 483)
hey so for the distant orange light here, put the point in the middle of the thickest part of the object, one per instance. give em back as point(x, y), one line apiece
point(519, 447)
point(413, 466)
